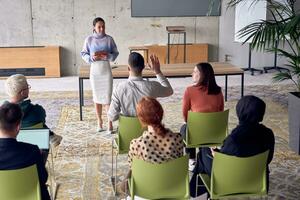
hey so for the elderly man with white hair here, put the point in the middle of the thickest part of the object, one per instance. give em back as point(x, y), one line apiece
point(17, 89)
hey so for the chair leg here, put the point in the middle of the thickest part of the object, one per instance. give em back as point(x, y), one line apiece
point(197, 184)
point(113, 176)
point(112, 158)
point(53, 177)
point(116, 173)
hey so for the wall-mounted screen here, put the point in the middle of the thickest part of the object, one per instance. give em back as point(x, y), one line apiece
point(175, 8)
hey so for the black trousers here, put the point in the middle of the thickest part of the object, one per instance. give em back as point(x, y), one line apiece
point(203, 165)
point(190, 151)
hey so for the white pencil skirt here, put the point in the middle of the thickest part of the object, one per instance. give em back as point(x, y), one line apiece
point(101, 82)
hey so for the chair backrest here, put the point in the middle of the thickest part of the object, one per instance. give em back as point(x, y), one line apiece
point(238, 176)
point(39, 137)
point(20, 184)
point(206, 129)
point(129, 129)
point(168, 180)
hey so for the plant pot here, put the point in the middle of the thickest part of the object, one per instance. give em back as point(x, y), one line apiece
point(294, 121)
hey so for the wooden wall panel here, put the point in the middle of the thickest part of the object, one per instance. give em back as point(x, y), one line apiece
point(47, 57)
point(194, 53)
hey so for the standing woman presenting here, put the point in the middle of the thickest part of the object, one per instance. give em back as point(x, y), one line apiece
point(98, 50)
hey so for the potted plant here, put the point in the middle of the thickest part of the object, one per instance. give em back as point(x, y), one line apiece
point(284, 26)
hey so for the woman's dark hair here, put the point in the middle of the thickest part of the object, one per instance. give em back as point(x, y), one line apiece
point(150, 112)
point(98, 19)
point(10, 115)
point(208, 78)
point(250, 109)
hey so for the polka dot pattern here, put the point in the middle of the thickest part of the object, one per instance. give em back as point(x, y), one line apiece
point(154, 148)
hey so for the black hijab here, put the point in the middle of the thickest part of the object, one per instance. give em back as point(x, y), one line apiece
point(250, 110)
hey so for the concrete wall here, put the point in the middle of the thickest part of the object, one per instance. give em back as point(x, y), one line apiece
point(238, 53)
point(67, 22)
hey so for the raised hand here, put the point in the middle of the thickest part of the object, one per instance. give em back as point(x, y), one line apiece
point(154, 64)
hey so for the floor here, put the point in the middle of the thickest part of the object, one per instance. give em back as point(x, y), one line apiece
point(70, 84)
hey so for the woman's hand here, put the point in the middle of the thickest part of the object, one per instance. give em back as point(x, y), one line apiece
point(100, 55)
point(213, 150)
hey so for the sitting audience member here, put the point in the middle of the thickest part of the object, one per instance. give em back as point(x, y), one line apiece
point(17, 89)
point(128, 93)
point(17, 155)
point(204, 95)
point(157, 144)
point(249, 138)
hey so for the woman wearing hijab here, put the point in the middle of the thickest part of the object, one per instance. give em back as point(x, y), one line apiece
point(249, 138)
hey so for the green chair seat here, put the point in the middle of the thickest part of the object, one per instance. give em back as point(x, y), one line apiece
point(233, 176)
point(168, 180)
point(206, 129)
point(129, 129)
point(20, 184)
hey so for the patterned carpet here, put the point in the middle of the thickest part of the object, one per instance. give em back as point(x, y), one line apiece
point(83, 160)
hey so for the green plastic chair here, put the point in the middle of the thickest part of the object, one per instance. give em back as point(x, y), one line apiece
point(206, 129)
point(237, 176)
point(129, 129)
point(168, 180)
point(40, 136)
point(20, 184)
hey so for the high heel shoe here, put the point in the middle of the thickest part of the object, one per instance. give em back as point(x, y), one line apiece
point(99, 129)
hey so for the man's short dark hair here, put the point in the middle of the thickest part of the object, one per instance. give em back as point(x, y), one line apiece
point(136, 62)
point(10, 116)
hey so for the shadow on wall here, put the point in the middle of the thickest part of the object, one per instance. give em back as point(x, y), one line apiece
point(67, 62)
point(212, 53)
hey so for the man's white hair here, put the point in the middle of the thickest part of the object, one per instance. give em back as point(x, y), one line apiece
point(14, 84)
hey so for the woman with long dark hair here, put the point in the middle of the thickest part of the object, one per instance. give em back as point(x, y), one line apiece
point(204, 95)
point(98, 50)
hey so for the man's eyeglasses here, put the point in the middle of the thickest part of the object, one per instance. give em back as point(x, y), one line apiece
point(27, 88)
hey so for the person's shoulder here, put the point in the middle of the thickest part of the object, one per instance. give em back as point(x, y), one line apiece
point(109, 37)
point(267, 130)
point(89, 38)
point(137, 141)
point(28, 147)
point(175, 134)
point(235, 133)
point(38, 108)
point(121, 86)
point(192, 87)
point(4, 102)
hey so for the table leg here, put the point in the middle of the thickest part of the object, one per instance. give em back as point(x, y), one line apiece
point(242, 85)
point(82, 93)
point(226, 84)
point(168, 50)
point(80, 97)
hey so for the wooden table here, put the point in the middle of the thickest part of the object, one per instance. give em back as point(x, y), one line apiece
point(169, 70)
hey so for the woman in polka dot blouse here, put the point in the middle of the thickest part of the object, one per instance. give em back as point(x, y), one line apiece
point(157, 144)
